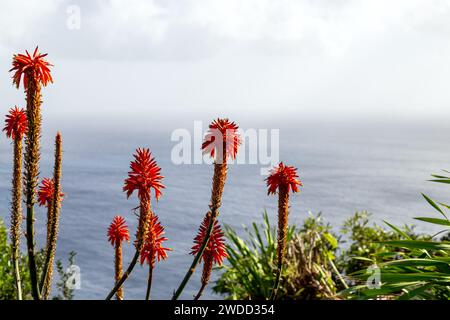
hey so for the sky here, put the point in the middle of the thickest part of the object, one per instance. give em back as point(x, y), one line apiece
point(263, 59)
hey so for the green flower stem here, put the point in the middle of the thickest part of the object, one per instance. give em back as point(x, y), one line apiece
point(149, 282)
point(31, 257)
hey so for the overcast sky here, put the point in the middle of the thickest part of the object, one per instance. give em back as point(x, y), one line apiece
point(195, 59)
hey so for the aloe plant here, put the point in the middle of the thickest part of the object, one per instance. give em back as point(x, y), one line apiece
point(249, 272)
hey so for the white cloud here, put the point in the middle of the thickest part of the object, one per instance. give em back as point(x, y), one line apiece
point(118, 20)
point(161, 29)
point(19, 19)
point(243, 56)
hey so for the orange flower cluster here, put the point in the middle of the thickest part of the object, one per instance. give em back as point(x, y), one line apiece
point(222, 136)
point(153, 249)
point(16, 123)
point(31, 67)
point(144, 176)
point(215, 248)
point(118, 231)
point(285, 176)
point(45, 192)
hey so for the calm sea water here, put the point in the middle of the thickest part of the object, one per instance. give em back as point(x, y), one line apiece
point(344, 167)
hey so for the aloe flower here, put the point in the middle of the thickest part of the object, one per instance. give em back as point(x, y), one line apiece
point(32, 68)
point(221, 142)
point(117, 233)
point(51, 189)
point(214, 252)
point(16, 124)
point(15, 128)
point(143, 177)
point(153, 249)
point(45, 199)
point(284, 179)
point(35, 72)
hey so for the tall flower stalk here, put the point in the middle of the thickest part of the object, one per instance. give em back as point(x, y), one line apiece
point(15, 128)
point(214, 253)
point(117, 233)
point(51, 189)
point(35, 72)
point(143, 176)
point(221, 141)
point(153, 249)
point(284, 179)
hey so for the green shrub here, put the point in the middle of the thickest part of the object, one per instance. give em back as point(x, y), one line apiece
point(315, 260)
point(7, 283)
point(249, 272)
point(416, 268)
point(366, 242)
point(311, 270)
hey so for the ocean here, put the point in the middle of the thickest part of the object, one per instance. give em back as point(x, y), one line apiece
point(344, 166)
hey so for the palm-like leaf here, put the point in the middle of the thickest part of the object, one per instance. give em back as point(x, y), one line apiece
point(421, 271)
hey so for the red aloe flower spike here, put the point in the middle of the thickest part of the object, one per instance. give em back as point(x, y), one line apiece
point(35, 71)
point(118, 231)
point(144, 175)
point(45, 192)
point(153, 249)
point(222, 134)
point(28, 66)
point(283, 176)
point(214, 251)
point(45, 198)
point(216, 244)
point(16, 127)
point(222, 140)
point(284, 179)
point(16, 123)
point(53, 218)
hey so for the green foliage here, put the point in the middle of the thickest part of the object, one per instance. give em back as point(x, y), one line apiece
point(421, 271)
point(64, 292)
point(314, 260)
point(311, 271)
point(6, 274)
point(367, 241)
point(249, 272)
point(7, 283)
